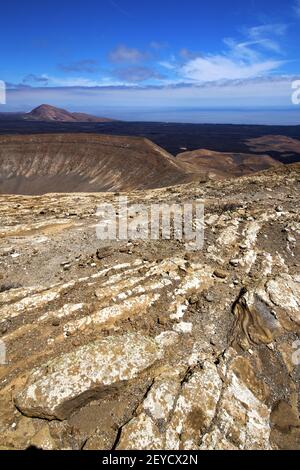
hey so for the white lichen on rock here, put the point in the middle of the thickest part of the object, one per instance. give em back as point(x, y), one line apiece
point(62, 385)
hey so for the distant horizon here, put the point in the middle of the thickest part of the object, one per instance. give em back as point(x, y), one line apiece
point(124, 57)
point(283, 116)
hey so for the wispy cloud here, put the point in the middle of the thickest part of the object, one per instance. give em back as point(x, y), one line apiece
point(214, 68)
point(268, 35)
point(126, 54)
point(245, 58)
point(85, 66)
point(255, 53)
point(33, 78)
point(275, 29)
point(158, 45)
point(137, 74)
point(168, 64)
point(120, 9)
point(187, 54)
point(53, 81)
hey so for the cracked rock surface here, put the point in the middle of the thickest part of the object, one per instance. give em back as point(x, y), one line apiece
point(145, 344)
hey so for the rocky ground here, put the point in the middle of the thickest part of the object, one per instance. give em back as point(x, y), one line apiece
point(144, 344)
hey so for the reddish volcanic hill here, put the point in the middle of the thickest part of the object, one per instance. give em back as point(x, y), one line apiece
point(48, 113)
point(223, 165)
point(275, 143)
point(38, 164)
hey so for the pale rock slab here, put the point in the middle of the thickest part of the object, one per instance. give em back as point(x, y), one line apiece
point(146, 430)
point(195, 409)
point(141, 433)
point(243, 419)
point(284, 291)
point(56, 389)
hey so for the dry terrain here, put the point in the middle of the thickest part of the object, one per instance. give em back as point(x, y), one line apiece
point(145, 344)
point(38, 164)
point(283, 145)
point(47, 113)
point(222, 165)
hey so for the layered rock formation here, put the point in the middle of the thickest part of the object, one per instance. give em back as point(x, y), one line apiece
point(145, 344)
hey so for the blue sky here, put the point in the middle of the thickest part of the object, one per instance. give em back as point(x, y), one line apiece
point(114, 55)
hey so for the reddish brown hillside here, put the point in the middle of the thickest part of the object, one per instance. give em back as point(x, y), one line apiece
point(221, 165)
point(37, 164)
point(48, 113)
point(274, 143)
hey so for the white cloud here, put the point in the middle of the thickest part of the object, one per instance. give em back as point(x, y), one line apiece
point(218, 68)
point(253, 55)
point(242, 50)
point(267, 35)
point(275, 29)
point(242, 60)
point(168, 65)
point(260, 93)
point(253, 47)
point(80, 82)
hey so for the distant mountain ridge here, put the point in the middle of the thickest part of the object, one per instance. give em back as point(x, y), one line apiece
point(48, 113)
